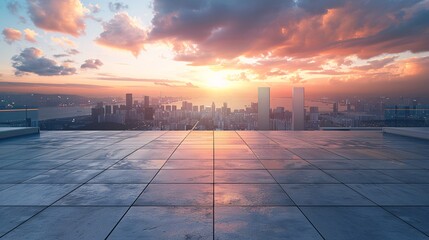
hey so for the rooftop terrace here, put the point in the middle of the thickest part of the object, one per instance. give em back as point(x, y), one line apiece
point(214, 185)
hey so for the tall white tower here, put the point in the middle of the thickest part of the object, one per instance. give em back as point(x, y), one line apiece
point(263, 108)
point(298, 118)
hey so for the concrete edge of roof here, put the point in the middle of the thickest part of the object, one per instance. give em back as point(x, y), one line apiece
point(10, 132)
point(414, 132)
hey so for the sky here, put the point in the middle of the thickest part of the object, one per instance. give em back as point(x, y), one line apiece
point(196, 48)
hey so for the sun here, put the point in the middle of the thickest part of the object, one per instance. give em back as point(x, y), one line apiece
point(217, 81)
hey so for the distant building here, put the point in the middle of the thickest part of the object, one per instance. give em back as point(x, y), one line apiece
point(213, 111)
point(335, 108)
point(314, 118)
point(129, 101)
point(146, 102)
point(263, 108)
point(108, 109)
point(298, 114)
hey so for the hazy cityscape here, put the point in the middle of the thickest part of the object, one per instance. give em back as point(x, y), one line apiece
point(70, 112)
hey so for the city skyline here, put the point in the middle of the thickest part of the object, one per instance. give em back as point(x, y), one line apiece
point(212, 49)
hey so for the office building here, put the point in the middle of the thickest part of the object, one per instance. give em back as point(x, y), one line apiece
point(129, 101)
point(146, 102)
point(264, 108)
point(298, 115)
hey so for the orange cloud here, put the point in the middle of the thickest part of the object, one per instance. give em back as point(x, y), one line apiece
point(123, 32)
point(30, 35)
point(63, 41)
point(11, 35)
point(65, 16)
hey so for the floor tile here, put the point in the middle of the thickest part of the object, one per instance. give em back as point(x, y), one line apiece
point(70, 223)
point(243, 176)
point(250, 195)
point(177, 195)
point(324, 194)
point(13, 216)
point(395, 194)
point(102, 195)
point(34, 194)
point(184, 176)
point(359, 223)
point(165, 223)
point(302, 176)
point(124, 176)
point(262, 223)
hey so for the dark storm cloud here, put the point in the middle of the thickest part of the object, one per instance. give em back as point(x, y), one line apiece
point(31, 60)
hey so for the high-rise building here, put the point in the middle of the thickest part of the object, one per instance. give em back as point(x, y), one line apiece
point(115, 109)
point(129, 101)
point(213, 110)
point(108, 109)
point(174, 108)
point(146, 102)
point(298, 114)
point(201, 108)
point(335, 107)
point(264, 108)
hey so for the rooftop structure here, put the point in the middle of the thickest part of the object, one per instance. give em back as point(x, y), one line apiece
point(214, 185)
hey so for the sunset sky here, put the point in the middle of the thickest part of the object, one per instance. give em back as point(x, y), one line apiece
point(199, 47)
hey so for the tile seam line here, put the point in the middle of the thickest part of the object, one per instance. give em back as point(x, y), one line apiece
point(214, 199)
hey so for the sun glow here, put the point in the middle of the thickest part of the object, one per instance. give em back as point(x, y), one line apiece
point(217, 81)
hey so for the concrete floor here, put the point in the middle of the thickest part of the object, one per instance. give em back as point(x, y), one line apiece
point(214, 185)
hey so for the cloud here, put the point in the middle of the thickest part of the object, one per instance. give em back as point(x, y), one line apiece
point(238, 77)
point(65, 16)
point(109, 77)
point(11, 35)
point(60, 55)
point(202, 32)
point(124, 33)
point(186, 85)
point(13, 7)
point(30, 35)
point(63, 41)
point(73, 51)
point(32, 84)
point(377, 64)
point(117, 6)
point(91, 63)
point(31, 60)
point(296, 79)
point(94, 8)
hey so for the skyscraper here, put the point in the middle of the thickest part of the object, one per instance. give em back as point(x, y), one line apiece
point(213, 110)
point(264, 108)
point(298, 115)
point(129, 101)
point(146, 102)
